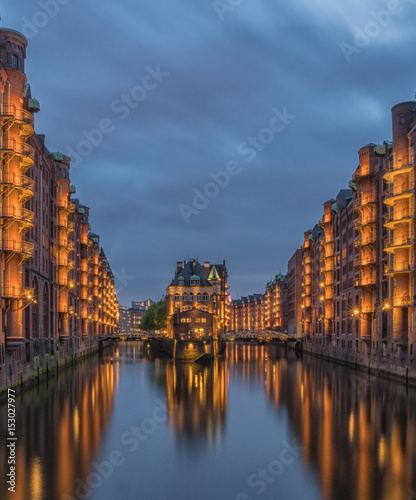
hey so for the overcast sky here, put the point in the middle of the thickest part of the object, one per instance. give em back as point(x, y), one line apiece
point(279, 95)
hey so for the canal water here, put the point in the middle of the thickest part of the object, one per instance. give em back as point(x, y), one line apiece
point(261, 423)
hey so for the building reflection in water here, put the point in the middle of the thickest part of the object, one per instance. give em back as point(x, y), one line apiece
point(197, 400)
point(357, 430)
point(60, 426)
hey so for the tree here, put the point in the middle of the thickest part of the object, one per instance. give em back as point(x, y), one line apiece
point(155, 317)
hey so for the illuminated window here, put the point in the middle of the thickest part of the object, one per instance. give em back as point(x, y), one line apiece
point(15, 62)
point(198, 320)
point(203, 320)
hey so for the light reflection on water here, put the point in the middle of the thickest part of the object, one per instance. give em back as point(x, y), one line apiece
point(225, 422)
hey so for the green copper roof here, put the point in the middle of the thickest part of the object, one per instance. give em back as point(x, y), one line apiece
point(33, 105)
point(58, 156)
point(213, 275)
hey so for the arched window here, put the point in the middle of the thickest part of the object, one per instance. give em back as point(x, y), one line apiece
point(15, 62)
point(176, 297)
point(191, 297)
point(185, 297)
point(199, 297)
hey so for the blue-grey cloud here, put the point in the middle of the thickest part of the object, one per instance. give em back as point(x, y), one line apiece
point(225, 79)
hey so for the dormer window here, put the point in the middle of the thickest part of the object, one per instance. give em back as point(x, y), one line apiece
point(195, 280)
point(180, 280)
point(15, 62)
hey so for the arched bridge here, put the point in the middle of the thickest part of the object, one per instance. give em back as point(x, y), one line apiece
point(122, 337)
point(262, 336)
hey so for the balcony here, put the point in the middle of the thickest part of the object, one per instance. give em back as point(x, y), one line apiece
point(365, 241)
point(405, 301)
point(361, 261)
point(367, 281)
point(23, 248)
point(329, 252)
point(361, 171)
point(364, 221)
point(396, 193)
point(63, 205)
point(25, 120)
point(402, 267)
point(21, 149)
point(22, 215)
point(398, 217)
point(396, 168)
point(403, 242)
point(365, 201)
point(64, 223)
point(16, 293)
point(62, 280)
point(22, 182)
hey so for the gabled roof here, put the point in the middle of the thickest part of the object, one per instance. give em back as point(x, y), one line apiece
point(188, 272)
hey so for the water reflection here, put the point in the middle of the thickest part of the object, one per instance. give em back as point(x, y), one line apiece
point(59, 430)
point(358, 432)
point(198, 396)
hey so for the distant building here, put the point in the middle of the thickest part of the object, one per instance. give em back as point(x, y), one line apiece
point(131, 317)
point(137, 311)
point(125, 319)
point(197, 301)
point(293, 296)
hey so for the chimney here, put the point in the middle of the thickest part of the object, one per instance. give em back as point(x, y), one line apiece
point(193, 267)
point(178, 267)
point(207, 266)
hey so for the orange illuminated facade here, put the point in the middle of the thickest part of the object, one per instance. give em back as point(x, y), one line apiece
point(366, 259)
point(56, 287)
point(355, 298)
point(197, 301)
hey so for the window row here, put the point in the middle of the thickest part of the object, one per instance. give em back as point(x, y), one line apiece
point(191, 297)
point(197, 320)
